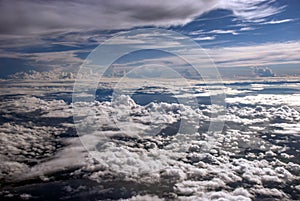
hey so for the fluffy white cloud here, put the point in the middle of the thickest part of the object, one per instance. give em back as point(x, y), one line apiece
point(25, 139)
point(143, 198)
point(266, 99)
point(185, 162)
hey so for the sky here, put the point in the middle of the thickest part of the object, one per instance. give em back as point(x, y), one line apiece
point(59, 35)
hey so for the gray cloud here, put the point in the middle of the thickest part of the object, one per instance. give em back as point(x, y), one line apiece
point(41, 25)
point(36, 16)
point(41, 16)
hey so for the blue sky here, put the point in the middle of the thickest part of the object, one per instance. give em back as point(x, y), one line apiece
point(221, 25)
point(58, 35)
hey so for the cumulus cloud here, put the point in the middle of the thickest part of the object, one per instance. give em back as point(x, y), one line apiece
point(266, 99)
point(241, 164)
point(143, 198)
point(26, 141)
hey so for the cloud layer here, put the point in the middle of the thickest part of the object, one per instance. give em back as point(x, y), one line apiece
point(30, 17)
point(17, 17)
point(254, 156)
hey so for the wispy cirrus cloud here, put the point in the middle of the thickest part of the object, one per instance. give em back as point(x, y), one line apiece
point(279, 21)
point(252, 11)
point(233, 56)
point(48, 60)
point(271, 53)
point(247, 28)
point(259, 54)
point(34, 30)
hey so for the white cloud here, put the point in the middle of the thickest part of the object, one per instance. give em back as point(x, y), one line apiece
point(198, 32)
point(58, 60)
point(250, 55)
point(247, 28)
point(232, 56)
point(205, 38)
point(236, 195)
point(143, 198)
point(68, 23)
point(150, 160)
point(269, 192)
point(267, 99)
point(287, 128)
point(252, 11)
point(279, 21)
point(253, 55)
point(217, 31)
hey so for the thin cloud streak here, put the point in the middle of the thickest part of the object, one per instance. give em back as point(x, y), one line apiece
point(217, 31)
point(205, 38)
point(238, 56)
point(279, 21)
point(262, 54)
